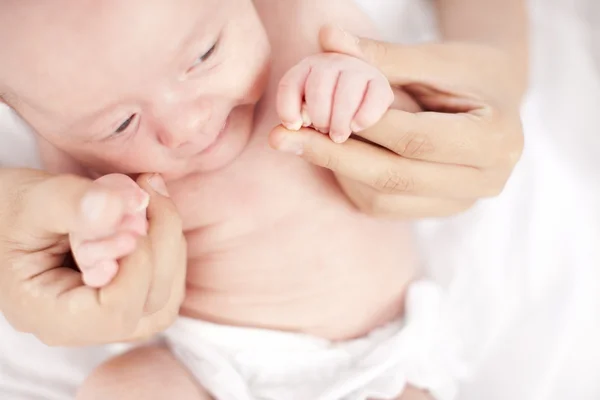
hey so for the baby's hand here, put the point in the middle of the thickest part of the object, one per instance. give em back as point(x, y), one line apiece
point(97, 253)
point(335, 93)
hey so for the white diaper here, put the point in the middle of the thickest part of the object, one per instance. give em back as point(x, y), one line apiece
point(255, 364)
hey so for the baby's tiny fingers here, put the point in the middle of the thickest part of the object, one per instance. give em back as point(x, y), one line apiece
point(320, 89)
point(137, 198)
point(378, 98)
point(135, 223)
point(290, 95)
point(101, 274)
point(89, 254)
point(349, 95)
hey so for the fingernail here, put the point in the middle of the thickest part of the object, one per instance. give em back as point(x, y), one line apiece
point(354, 127)
point(306, 122)
point(93, 205)
point(142, 201)
point(291, 146)
point(337, 137)
point(158, 184)
point(292, 126)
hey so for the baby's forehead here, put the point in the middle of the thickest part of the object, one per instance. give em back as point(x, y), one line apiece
point(83, 51)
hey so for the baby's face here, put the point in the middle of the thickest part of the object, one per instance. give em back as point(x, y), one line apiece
point(132, 86)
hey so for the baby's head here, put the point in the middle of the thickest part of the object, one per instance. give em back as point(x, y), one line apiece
point(137, 85)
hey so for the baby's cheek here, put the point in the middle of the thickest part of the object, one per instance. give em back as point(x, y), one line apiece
point(259, 83)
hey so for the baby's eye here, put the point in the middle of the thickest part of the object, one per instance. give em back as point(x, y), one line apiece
point(123, 127)
point(205, 56)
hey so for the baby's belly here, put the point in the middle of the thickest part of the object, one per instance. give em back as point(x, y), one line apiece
point(336, 280)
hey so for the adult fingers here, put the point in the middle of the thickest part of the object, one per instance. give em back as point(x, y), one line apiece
point(168, 243)
point(65, 312)
point(398, 206)
point(61, 311)
point(424, 63)
point(153, 323)
point(143, 279)
point(418, 136)
point(124, 298)
point(50, 206)
point(386, 171)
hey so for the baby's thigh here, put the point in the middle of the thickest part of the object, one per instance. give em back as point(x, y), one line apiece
point(148, 373)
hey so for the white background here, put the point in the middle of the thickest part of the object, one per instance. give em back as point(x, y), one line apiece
point(523, 270)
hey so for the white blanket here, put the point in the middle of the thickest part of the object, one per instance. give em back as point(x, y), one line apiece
point(523, 269)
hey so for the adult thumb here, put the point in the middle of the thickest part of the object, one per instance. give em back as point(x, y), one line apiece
point(401, 64)
point(55, 205)
point(335, 39)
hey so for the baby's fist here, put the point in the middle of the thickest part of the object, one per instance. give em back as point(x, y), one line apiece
point(334, 93)
point(97, 249)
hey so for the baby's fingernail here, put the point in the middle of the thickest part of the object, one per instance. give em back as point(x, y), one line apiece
point(354, 127)
point(292, 126)
point(291, 146)
point(306, 122)
point(337, 137)
point(140, 202)
point(158, 184)
point(144, 201)
point(93, 205)
point(324, 131)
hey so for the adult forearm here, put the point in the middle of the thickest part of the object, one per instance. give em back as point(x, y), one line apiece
point(499, 23)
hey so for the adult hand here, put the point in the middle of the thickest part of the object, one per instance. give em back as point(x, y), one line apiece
point(42, 295)
point(425, 164)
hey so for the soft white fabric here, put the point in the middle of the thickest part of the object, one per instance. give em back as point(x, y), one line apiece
point(522, 270)
point(235, 363)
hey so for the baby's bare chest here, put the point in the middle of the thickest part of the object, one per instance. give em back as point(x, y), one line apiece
point(259, 189)
point(273, 242)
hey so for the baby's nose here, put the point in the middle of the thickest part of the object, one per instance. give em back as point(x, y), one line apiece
point(185, 122)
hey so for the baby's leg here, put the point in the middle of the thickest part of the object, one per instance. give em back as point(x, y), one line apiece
point(146, 373)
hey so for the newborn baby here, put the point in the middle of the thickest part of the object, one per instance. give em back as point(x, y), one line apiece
point(292, 293)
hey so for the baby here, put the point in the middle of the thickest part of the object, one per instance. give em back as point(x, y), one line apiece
point(292, 293)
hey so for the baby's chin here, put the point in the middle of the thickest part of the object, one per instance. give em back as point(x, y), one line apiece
point(225, 150)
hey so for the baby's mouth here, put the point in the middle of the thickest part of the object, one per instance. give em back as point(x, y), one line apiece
point(193, 150)
point(217, 137)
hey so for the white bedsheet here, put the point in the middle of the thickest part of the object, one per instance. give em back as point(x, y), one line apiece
point(524, 269)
